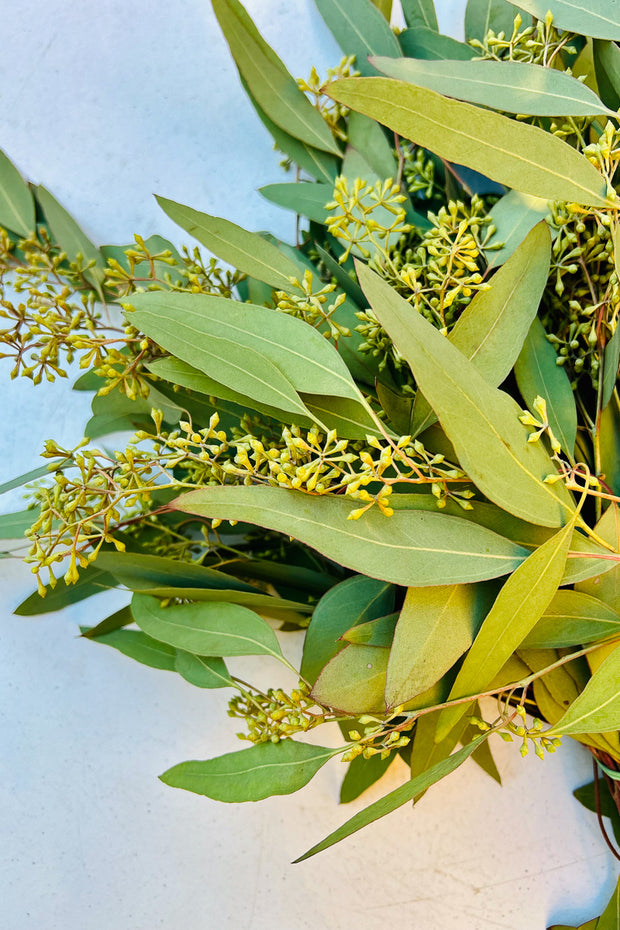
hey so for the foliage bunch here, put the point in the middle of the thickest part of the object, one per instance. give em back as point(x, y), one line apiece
point(399, 435)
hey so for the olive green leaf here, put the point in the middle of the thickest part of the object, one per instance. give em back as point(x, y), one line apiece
point(361, 774)
point(115, 621)
point(609, 443)
point(523, 599)
point(482, 15)
point(14, 525)
point(597, 18)
point(606, 585)
point(493, 327)
point(481, 422)
point(71, 239)
point(436, 626)
point(428, 44)
point(16, 203)
point(202, 671)
point(572, 619)
point(513, 216)
point(139, 571)
point(510, 86)
point(367, 136)
point(352, 602)
point(353, 682)
point(301, 197)
point(409, 548)
point(275, 91)
point(359, 29)
point(607, 67)
point(379, 632)
point(610, 369)
point(246, 251)
point(396, 798)
point(137, 645)
point(251, 774)
point(512, 153)
point(538, 375)
point(206, 629)
point(597, 709)
point(420, 13)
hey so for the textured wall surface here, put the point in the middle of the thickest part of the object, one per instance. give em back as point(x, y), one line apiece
point(106, 103)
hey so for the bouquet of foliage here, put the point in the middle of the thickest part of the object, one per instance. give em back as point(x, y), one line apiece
point(400, 435)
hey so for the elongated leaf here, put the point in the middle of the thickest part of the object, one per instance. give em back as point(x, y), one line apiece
point(513, 217)
point(44, 471)
point(244, 250)
point(493, 327)
point(202, 671)
point(597, 709)
point(367, 136)
point(206, 629)
point(353, 682)
point(612, 349)
point(420, 13)
point(510, 86)
point(436, 626)
point(606, 586)
point(351, 287)
point(271, 85)
point(362, 774)
point(14, 525)
point(410, 548)
point(359, 29)
point(538, 374)
point(597, 18)
point(347, 604)
point(609, 441)
point(251, 774)
point(519, 605)
point(264, 604)
point(379, 632)
point(585, 795)
point(482, 15)
point(70, 238)
point(481, 422)
point(429, 45)
point(137, 571)
point(16, 203)
point(306, 199)
point(521, 156)
point(137, 645)
point(396, 798)
point(607, 66)
point(115, 621)
point(572, 619)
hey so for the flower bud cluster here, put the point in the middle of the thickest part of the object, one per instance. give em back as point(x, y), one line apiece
point(313, 307)
point(379, 737)
point(276, 715)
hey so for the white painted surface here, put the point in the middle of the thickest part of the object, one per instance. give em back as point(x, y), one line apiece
point(106, 103)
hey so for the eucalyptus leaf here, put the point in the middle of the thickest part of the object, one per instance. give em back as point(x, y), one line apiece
point(206, 629)
point(303, 198)
point(367, 136)
point(115, 621)
point(71, 239)
point(612, 349)
point(137, 645)
point(14, 525)
point(426, 43)
point(353, 682)
point(513, 216)
point(43, 471)
point(597, 709)
point(609, 443)
point(521, 602)
point(598, 18)
point(379, 632)
point(420, 13)
point(251, 774)
point(513, 153)
point(481, 422)
point(16, 204)
point(202, 671)
point(359, 29)
point(573, 618)
point(396, 798)
point(271, 85)
point(510, 86)
point(410, 548)
point(606, 586)
point(137, 570)
point(607, 66)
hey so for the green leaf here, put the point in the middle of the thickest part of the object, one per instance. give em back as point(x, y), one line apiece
point(353, 682)
point(597, 709)
point(44, 471)
point(206, 629)
point(610, 918)
point(482, 15)
point(202, 671)
point(585, 795)
point(513, 216)
point(538, 374)
point(429, 45)
point(138, 571)
point(362, 774)
point(251, 774)
point(523, 599)
point(606, 585)
point(352, 602)
point(349, 417)
point(512, 153)
point(137, 645)
point(367, 136)
point(244, 250)
point(597, 18)
point(609, 441)
point(71, 239)
point(493, 327)
point(275, 91)
point(436, 626)
point(91, 581)
point(359, 29)
point(396, 798)
point(607, 66)
point(301, 197)
point(379, 632)
point(572, 619)
point(612, 349)
point(510, 86)
point(481, 422)
point(14, 525)
point(420, 13)
point(115, 621)
point(16, 203)
point(409, 548)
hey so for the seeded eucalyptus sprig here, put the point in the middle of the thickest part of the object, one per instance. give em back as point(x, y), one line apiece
point(400, 436)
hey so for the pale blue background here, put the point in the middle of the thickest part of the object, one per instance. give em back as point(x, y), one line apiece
point(106, 103)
